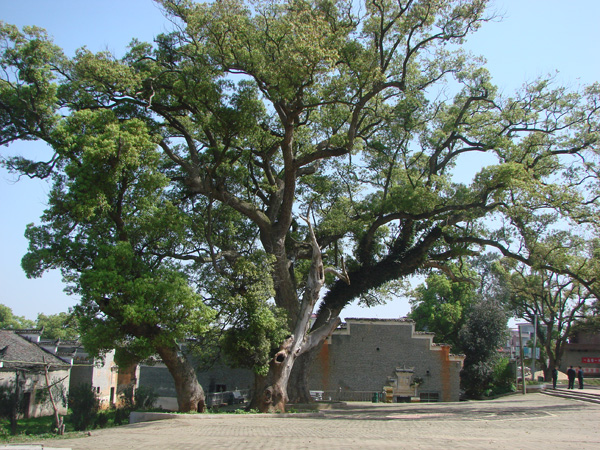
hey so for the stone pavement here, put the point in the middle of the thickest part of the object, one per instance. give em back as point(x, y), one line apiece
point(532, 421)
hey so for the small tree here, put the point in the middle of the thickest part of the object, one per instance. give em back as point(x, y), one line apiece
point(440, 306)
point(480, 338)
point(465, 308)
point(10, 404)
point(55, 393)
point(145, 397)
point(84, 406)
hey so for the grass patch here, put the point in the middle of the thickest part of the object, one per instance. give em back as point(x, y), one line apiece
point(43, 427)
point(34, 429)
point(35, 426)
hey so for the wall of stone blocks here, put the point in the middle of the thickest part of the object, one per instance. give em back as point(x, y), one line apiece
point(159, 379)
point(226, 378)
point(359, 357)
point(362, 356)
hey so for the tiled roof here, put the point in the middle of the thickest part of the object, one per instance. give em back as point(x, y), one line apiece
point(18, 352)
point(29, 330)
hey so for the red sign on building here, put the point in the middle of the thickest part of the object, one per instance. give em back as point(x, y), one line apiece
point(588, 360)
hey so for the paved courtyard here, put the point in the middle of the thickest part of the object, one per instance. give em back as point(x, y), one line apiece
point(533, 421)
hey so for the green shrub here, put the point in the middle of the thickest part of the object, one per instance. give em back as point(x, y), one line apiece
point(121, 416)
point(145, 398)
point(102, 419)
point(84, 404)
point(503, 377)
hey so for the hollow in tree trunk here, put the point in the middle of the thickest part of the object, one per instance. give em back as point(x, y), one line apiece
point(270, 391)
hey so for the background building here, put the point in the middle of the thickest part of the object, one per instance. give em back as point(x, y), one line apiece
point(23, 366)
point(583, 350)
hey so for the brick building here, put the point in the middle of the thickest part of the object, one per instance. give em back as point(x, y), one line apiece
point(101, 373)
point(583, 350)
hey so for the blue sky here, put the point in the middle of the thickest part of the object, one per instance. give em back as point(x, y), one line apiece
point(534, 38)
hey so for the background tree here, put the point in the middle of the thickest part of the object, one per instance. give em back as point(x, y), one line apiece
point(61, 326)
point(484, 332)
point(323, 131)
point(441, 306)
point(8, 321)
point(467, 309)
point(551, 262)
point(590, 320)
point(555, 301)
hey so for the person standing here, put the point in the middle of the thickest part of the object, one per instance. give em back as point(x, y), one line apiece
point(571, 377)
point(554, 377)
point(580, 377)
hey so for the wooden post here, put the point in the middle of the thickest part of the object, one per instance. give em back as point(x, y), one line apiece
point(58, 421)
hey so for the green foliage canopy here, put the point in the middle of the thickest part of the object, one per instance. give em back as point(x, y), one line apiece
point(61, 326)
point(441, 306)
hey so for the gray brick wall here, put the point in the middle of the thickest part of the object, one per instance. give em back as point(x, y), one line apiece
point(363, 356)
point(158, 378)
point(360, 357)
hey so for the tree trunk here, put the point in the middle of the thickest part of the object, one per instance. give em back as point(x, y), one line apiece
point(58, 421)
point(190, 396)
point(298, 389)
point(270, 392)
point(14, 410)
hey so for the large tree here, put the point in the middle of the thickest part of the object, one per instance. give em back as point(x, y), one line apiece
point(322, 130)
point(107, 227)
point(555, 291)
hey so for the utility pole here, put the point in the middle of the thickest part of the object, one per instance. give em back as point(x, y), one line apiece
point(524, 389)
point(534, 348)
